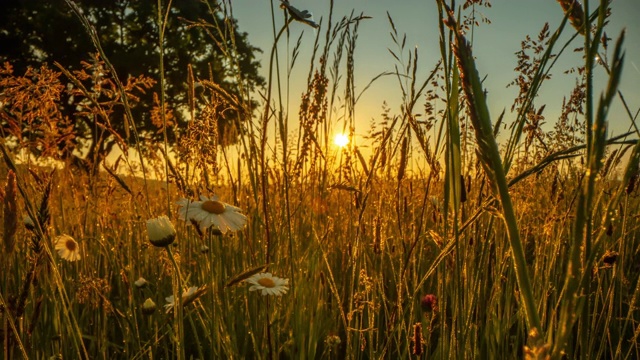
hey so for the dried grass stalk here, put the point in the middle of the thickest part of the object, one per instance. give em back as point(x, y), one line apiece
point(10, 212)
point(403, 159)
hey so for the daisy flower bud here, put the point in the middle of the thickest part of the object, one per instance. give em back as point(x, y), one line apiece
point(148, 307)
point(161, 231)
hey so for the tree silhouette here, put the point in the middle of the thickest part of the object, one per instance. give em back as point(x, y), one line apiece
point(199, 38)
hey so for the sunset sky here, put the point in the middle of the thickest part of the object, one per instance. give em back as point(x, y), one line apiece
point(495, 45)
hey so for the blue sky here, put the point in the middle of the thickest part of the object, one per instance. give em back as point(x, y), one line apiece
point(495, 45)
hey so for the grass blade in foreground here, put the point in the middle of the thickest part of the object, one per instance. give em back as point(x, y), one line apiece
point(577, 276)
point(492, 164)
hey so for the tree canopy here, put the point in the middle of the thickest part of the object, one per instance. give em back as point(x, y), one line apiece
point(200, 43)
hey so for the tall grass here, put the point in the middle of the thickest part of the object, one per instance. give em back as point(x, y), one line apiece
point(426, 238)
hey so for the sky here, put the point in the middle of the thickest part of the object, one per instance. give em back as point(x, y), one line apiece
point(495, 46)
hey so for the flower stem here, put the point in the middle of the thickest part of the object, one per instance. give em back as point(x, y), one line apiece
point(177, 308)
point(269, 332)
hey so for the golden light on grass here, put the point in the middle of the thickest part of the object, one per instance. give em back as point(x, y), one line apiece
point(341, 140)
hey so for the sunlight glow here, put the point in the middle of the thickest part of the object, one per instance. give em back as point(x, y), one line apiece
point(341, 140)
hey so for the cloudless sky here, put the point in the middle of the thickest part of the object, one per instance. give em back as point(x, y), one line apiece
point(495, 46)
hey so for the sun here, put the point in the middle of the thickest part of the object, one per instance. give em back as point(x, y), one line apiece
point(341, 140)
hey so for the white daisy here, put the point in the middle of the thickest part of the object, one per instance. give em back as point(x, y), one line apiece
point(67, 247)
point(161, 231)
point(269, 284)
point(212, 211)
point(188, 297)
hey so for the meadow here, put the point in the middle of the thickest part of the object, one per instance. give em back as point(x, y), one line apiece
point(456, 234)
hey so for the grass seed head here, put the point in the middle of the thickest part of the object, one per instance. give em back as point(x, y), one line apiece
point(573, 9)
point(429, 303)
point(417, 339)
point(332, 341)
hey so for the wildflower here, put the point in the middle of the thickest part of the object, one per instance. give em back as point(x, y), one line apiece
point(161, 231)
point(299, 15)
point(269, 284)
point(140, 283)
point(67, 248)
point(148, 307)
point(189, 296)
point(429, 303)
point(212, 211)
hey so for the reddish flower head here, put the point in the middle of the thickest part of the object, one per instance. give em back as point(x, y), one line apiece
point(429, 303)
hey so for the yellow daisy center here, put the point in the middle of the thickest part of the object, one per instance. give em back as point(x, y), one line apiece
point(267, 282)
point(70, 245)
point(213, 207)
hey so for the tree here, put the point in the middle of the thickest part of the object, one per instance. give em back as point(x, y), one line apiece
point(198, 36)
